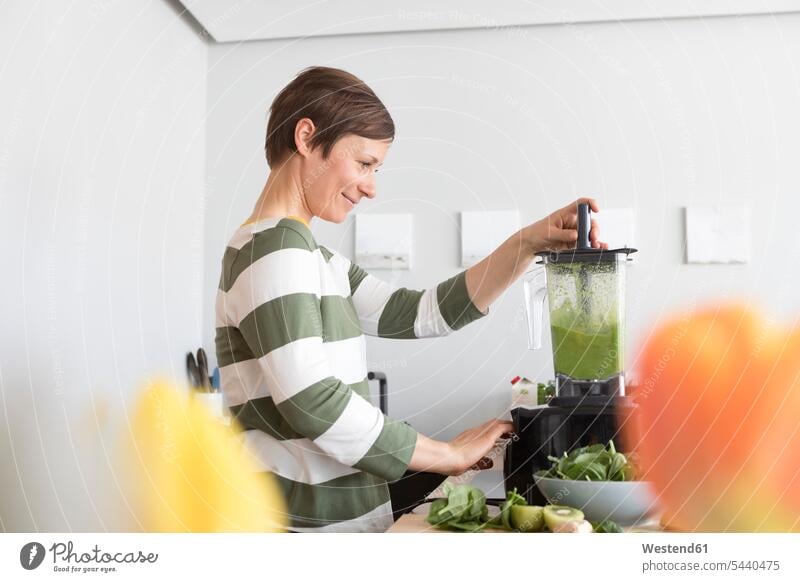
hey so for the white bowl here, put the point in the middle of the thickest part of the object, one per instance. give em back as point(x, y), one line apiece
point(625, 502)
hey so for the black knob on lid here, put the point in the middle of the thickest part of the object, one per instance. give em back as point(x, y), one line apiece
point(584, 226)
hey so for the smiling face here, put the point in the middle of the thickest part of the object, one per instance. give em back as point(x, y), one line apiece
point(332, 186)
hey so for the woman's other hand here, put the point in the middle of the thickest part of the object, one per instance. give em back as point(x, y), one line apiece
point(469, 449)
point(559, 230)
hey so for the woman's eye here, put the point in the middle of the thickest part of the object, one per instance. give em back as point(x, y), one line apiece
point(365, 165)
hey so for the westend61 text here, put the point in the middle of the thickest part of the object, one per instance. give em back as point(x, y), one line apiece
point(675, 549)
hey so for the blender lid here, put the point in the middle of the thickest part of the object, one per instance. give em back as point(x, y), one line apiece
point(584, 255)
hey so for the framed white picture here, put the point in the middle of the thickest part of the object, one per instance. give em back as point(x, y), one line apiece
point(717, 234)
point(483, 231)
point(384, 241)
point(617, 227)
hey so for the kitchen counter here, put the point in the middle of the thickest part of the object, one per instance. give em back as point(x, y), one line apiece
point(491, 482)
point(411, 523)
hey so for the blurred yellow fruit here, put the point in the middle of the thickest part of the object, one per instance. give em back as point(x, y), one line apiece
point(191, 474)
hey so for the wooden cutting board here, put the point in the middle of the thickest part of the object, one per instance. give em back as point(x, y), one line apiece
point(411, 523)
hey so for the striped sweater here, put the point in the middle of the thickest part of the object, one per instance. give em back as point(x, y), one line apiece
point(290, 322)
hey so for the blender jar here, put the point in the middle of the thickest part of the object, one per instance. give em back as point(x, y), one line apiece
point(587, 318)
point(585, 291)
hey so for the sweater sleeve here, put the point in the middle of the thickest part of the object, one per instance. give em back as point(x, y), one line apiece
point(396, 312)
point(277, 302)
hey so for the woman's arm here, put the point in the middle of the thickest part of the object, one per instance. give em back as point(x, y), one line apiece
point(387, 311)
point(487, 280)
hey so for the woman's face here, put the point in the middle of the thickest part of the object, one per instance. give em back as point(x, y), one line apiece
point(333, 186)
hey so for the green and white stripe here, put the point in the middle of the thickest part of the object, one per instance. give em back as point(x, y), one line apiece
point(386, 311)
point(291, 318)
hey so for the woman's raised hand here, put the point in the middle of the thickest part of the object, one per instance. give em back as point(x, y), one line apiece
point(559, 230)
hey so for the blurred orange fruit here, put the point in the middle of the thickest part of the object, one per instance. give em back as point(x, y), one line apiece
point(716, 428)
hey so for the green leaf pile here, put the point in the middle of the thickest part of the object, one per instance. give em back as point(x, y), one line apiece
point(464, 509)
point(592, 463)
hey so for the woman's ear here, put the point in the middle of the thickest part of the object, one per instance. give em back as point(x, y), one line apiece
point(303, 132)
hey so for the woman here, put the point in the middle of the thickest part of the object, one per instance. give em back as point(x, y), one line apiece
point(291, 315)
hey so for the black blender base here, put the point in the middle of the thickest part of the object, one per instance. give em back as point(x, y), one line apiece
point(573, 392)
point(574, 401)
point(553, 430)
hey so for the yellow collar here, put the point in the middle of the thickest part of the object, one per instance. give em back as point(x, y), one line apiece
point(291, 216)
point(295, 217)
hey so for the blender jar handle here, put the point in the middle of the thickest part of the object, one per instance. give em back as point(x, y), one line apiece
point(535, 289)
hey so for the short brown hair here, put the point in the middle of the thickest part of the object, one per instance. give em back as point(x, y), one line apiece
point(338, 103)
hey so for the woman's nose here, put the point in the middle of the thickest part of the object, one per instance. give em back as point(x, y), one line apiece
point(367, 187)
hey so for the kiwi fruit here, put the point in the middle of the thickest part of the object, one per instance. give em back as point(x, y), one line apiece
point(527, 518)
point(555, 515)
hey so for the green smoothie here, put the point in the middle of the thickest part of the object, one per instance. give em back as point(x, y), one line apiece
point(585, 321)
point(586, 356)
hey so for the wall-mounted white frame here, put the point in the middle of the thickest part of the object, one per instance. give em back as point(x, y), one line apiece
point(717, 234)
point(384, 241)
point(617, 227)
point(483, 231)
point(265, 20)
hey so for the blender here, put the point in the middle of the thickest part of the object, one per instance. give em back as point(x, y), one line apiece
point(584, 289)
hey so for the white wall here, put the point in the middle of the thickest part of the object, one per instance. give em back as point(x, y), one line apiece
point(101, 187)
point(653, 115)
